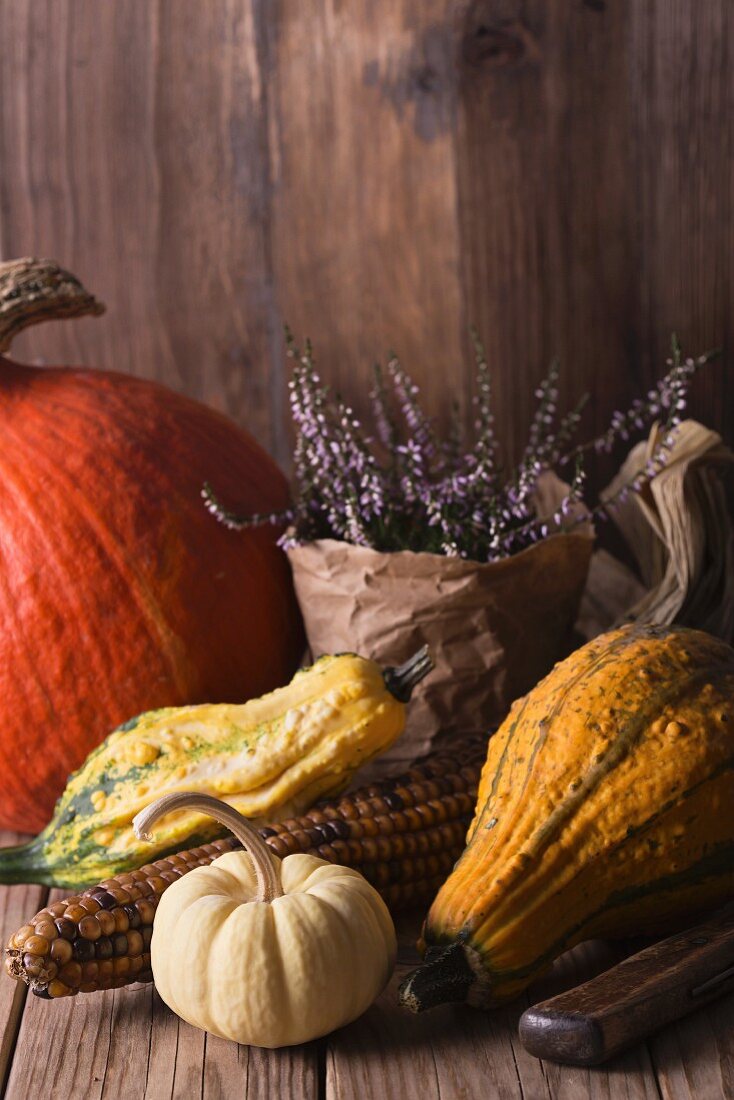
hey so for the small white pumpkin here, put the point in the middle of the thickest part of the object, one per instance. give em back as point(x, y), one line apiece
point(264, 951)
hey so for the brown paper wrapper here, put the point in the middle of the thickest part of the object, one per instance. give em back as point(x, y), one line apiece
point(493, 630)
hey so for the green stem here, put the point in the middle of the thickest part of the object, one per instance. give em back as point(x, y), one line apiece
point(400, 681)
point(445, 977)
point(25, 863)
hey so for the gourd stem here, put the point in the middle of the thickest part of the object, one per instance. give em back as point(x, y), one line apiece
point(268, 878)
point(25, 863)
point(400, 681)
point(33, 290)
point(444, 978)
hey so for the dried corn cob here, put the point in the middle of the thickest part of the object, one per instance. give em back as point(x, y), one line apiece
point(403, 834)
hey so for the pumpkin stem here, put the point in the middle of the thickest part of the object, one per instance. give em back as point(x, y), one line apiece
point(266, 872)
point(34, 290)
point(445, 977)
point(400, 681)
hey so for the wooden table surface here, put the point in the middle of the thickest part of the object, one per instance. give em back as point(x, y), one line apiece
point(126, 1044)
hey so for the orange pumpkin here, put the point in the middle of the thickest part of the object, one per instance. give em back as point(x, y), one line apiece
point(119, 592)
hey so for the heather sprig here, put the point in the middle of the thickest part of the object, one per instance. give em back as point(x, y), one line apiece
point(405, 488)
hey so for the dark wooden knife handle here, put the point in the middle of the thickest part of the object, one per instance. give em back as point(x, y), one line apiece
point(588, 1024)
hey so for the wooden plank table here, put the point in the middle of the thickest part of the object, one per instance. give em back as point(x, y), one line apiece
point(126, 1045)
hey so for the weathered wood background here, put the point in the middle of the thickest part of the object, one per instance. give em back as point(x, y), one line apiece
point(380, 173)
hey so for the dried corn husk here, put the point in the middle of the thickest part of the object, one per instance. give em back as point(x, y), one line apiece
point(680, 528)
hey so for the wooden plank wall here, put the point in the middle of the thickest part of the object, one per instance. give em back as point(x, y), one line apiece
point(380, 173)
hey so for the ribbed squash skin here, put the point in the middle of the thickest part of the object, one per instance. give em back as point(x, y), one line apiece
point(606, 808)
point(119, 592)
point(270, 758)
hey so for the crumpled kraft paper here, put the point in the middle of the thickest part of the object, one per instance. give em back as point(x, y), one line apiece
point(493, 630)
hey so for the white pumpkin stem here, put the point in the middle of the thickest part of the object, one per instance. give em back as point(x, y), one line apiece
point(268, 878)
point(34, 290)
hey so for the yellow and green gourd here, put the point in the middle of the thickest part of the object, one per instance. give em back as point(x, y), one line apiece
point(269, 758)
point(605, 808)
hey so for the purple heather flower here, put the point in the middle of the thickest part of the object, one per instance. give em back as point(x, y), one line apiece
point(408, 489)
